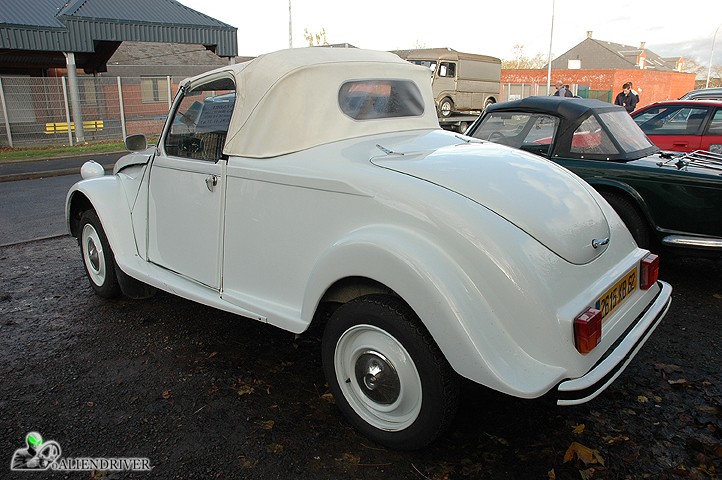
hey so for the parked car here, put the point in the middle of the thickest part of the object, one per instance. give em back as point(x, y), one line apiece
point(670, 199)
point(703, 94)
point(335, 189)
point(683, 125)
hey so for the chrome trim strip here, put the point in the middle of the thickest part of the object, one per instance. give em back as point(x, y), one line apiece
point(692, 242)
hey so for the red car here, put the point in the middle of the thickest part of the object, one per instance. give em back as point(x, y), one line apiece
point(683, 125)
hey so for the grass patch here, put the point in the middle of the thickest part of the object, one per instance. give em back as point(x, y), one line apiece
point(38, 153)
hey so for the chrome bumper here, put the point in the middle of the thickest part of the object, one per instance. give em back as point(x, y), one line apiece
point(583, 389)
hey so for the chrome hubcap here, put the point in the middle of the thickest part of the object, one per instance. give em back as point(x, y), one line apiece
point(378, 378)
point(93, 255)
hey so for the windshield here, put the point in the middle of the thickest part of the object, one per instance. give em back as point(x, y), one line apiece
point(430, 64)
point(533, 132)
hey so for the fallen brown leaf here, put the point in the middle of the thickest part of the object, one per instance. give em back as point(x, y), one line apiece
point(587, 455)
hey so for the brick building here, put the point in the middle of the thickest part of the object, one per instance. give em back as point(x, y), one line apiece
point(597, 69)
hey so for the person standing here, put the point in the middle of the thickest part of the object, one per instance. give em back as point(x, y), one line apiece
point(634, 92)
point(562, 90)
point(626, 98)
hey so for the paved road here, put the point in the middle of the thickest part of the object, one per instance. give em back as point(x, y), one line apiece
point(32, 195)
point(32, 169)
point(32, 209)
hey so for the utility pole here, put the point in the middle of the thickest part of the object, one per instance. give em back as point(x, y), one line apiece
point(549, 58)
point(290, 30)
point(709, 69)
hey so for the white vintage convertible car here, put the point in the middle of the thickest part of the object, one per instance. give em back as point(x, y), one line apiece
point(319, 177)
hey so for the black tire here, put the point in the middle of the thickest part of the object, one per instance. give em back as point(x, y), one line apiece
point(446, 107)
point(98, 258)
point(463, 127)
point(387, 375)
point(631, 216)
point(488, 102)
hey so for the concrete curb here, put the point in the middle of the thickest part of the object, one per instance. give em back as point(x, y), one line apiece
point(13, 177)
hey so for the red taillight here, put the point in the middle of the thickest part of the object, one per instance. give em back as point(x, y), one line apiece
point(649, 271)
point(588, 330)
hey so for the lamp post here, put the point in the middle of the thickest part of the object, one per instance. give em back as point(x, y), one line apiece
point(290, 30)
point(549, 59)
point(709, 69)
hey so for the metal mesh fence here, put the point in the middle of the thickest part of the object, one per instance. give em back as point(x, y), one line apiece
point(38, 111)
point(517, 91)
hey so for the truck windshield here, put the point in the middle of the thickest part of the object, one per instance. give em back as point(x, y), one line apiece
point(430, 64)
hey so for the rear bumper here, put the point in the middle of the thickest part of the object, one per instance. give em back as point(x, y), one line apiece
point(585, 388)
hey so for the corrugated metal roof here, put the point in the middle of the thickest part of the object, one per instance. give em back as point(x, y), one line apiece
point(33, 13)
point(148, 11)
point(77, 25)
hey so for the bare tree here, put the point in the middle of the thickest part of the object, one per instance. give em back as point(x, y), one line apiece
point(521, 61)
point(315, 39)
point(715, 79)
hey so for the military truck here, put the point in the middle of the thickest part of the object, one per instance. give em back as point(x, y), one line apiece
point(463, 83)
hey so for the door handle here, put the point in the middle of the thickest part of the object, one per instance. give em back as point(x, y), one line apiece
point(211, 182)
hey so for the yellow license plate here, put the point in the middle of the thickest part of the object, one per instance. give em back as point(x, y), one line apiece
point(615, 296)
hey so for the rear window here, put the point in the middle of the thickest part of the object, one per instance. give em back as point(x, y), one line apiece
point(373, 99)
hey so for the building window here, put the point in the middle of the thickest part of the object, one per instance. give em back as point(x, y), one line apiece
point(154, 89)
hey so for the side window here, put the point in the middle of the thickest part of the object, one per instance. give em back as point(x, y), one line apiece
point(715, 127)
point(447, 69)
point(591, 138)
point(199, 125)
point(678, 120)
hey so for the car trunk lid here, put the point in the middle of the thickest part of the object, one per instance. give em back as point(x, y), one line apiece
point(545, 200)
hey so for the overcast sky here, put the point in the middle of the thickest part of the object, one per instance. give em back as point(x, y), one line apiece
point(476, 26)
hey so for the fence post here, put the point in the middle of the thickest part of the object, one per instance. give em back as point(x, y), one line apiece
point(5, 115)
point(67, 112)
point(170, 98)
point(122, 109)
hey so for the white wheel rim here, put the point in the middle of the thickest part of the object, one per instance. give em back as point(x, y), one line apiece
point(93, 255)
point(378, 378)
point(445, 108)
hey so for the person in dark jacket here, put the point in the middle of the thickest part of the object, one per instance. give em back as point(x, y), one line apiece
point(562, 90)
point(626, 98)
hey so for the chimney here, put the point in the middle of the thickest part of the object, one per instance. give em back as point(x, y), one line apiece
point(642, 45)
point(589, 34)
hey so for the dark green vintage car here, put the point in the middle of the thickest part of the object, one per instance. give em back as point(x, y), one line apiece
point(666, 199)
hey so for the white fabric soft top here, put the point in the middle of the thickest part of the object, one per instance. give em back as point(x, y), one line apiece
point(287, 101)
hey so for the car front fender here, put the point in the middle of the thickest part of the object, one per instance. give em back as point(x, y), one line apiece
point(105, 195)
point(444, 297)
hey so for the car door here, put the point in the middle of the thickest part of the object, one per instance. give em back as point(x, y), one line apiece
point(187, 184)
point(676, 128)
point(712, 136)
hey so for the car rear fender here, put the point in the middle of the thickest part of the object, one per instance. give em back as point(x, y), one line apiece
point(604, 184)
point(443, 296)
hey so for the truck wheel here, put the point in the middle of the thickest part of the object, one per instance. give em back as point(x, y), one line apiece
point(631, 216)
point(97, 256)
point(446, 106)
point(387, 375)
point(463, 127)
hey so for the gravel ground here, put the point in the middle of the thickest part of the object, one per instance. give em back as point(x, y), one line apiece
point(205, 394)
